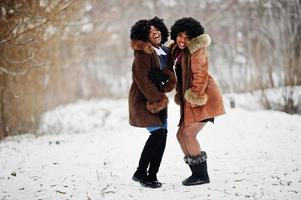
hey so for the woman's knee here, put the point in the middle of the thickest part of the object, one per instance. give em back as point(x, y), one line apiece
point(180, 136)
point(187, 135)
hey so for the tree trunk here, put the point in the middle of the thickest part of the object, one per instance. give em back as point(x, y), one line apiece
point(3, 133)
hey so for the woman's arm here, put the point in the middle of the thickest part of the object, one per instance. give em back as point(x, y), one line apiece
point(156, 101)
point(199, 68)
point(170, 85)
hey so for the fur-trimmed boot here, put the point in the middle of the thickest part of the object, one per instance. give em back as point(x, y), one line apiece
point(198, 167)
point(151, 146)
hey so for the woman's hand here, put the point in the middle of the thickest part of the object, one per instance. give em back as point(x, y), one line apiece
point(193, 105)
point(157, 76)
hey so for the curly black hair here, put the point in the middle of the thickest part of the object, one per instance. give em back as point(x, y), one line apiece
point(140, 30)
point(188, 25)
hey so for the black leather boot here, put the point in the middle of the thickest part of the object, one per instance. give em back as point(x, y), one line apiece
point(146, 182)
point(147, 155)
point(198, 167)
point(157, 158)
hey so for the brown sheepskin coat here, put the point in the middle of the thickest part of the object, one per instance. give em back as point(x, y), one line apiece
point(145, 99)
point(199, 96)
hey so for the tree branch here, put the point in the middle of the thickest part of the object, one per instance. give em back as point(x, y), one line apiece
point(64, 7)
point(12, 73)
point(17, 62)
point(20, 11)
point(22, 43)
point(44, 22)
point(9, 32)
point(218, 14)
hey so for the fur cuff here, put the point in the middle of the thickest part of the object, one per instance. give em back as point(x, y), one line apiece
point(191, 97)
point(170, 85)
point(195, 160)
point(156, 107)
point(177, 99)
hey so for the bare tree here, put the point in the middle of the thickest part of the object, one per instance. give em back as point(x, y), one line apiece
point(54, 52)
point(25, 27)
point(278, 39)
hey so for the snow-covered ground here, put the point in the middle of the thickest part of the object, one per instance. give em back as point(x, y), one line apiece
point(87, 151)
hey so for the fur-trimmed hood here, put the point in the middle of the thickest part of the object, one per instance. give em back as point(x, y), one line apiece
point(140, 45)
point(199, 42)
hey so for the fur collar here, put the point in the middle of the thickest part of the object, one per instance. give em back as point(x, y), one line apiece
point(196, 43)
point(140, 45)
point(199, 42)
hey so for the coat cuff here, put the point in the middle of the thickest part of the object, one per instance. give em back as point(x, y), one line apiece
point(170, 85)
point(156, 107)
point(192, 97)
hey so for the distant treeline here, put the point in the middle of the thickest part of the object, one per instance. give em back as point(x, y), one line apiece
point(55, 52)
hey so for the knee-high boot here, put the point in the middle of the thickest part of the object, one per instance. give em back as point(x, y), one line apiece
point(157, 158)
point(146, 157)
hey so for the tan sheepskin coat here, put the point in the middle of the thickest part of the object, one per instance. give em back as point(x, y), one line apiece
point(145, 99)
point(199, 96)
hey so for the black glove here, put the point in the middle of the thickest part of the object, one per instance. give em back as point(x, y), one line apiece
point(157, 76)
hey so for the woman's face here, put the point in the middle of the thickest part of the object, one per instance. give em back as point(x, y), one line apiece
point(182, 40)
point(154, 36)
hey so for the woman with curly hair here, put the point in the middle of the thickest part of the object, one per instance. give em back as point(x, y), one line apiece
point(151, 79)
point(197, 94)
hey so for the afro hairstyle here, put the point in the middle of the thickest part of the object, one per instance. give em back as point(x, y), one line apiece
point(188, 25)
point(140, 30)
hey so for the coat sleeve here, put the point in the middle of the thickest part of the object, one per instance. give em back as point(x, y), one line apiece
point(199, 68)
point(170, 85)
point(141, 67)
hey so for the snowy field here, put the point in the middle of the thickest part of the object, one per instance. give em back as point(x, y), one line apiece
point(87, 151)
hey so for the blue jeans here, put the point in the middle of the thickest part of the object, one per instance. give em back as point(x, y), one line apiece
point(153, 128)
